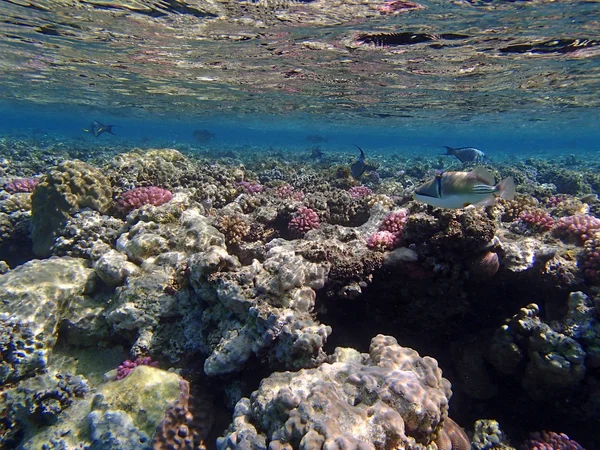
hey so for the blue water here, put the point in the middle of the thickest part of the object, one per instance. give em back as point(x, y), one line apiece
point(512, 135)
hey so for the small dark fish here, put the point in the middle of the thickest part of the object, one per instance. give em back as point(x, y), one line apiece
point(358, 167)
point(465, 154)
point(316, 139)
point(203, 135)
point(96, 128)
point(316, 153)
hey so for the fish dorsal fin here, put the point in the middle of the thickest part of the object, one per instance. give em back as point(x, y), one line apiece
point(484, 175)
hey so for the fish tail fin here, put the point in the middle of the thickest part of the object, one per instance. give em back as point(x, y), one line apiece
point(506, 188)
point(449, 150)
point(362, 154)
point(109, 129)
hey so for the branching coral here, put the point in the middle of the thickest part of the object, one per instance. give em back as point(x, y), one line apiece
point(138, 197)
point(305, 219)
point(234, 227)
point(578, 228)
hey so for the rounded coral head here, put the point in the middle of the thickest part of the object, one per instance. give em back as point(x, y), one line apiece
point(485, 265)
point(138, 197)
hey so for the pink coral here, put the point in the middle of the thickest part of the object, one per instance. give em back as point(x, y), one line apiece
point(21, 185)
point(537, 220)
point(304, 220)
point(359, 192)
point(382, 240)
point(556, 200)
point(287, 191)
point(394, 222)
point(578, 228)
point(397, 6)
point(141, 196)
point(549, 440)
point(125, 369)
point(590, 259)
point(250, 187)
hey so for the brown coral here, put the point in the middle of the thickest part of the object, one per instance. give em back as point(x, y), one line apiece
point(234, 227)
point(512, 209)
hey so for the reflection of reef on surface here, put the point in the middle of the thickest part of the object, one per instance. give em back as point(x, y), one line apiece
point(369, 67)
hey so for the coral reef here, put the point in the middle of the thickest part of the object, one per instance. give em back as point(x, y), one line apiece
point(120, 414)
point(35, 297)
point(390, 398)
point(216, 274)
point(537, 220)
point(138, 197)
point(382, 240)
point(549, 440)
point(578, 228)
point(303, 221)
point(21, 185)
point(68, 188)
point(127, 366)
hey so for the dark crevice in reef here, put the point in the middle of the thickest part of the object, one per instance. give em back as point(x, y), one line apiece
point(16, 252)
point(553, 46)
point(438, 317)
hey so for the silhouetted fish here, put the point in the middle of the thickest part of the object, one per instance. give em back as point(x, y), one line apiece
point(465, 154)
point(203, 135)
point(96, 128)
point(316, 139)
point(316, 153)
point(359, 166)
point(456, 190)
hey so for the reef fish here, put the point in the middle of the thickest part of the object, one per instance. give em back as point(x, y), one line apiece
point(96, 128)
point(456, 190)
point(316, 153)
point(315, 139)
point(466, 154)
point(203, 135)
point(359, 166)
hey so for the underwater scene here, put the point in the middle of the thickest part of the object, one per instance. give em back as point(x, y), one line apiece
point(280, 225)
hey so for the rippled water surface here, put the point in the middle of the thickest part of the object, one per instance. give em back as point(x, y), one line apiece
point(350, 61)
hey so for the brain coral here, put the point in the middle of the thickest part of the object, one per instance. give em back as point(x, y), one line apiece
point(70, 187)
point(390, 398)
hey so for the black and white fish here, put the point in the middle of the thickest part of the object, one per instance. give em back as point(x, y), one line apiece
point(456, 190)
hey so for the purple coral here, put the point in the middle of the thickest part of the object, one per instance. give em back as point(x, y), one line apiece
point(304, 220)
point(21, 185)
point(578, 228)
point(287, 191)
point(125, 369)
point(394, 222)
point(390, 231)
point(549, 440)
point(141, 196)
point(382, 240)
point(250, 187)
point(538, 220)
point(359, 192)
